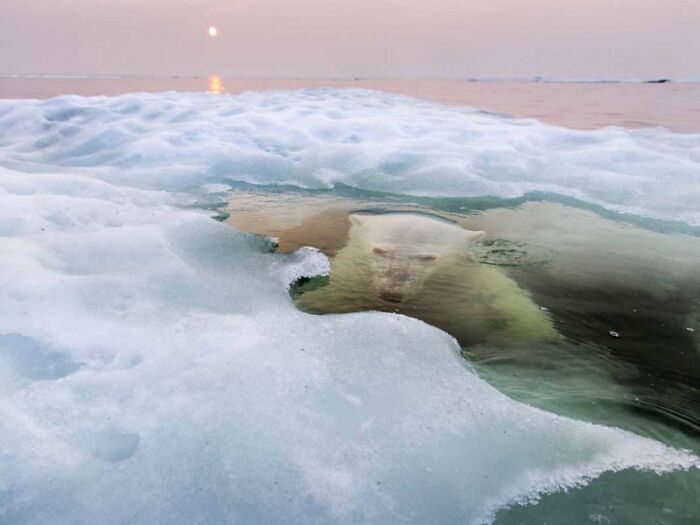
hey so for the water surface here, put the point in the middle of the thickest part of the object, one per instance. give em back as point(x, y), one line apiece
point(624, 301)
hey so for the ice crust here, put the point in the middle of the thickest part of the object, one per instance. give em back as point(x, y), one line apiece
point(369, 140)
point(154, 370)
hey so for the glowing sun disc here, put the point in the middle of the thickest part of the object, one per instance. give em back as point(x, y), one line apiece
point(213, 31)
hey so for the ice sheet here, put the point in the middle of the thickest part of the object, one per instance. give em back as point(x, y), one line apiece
point(154, 370)
point(375, 141)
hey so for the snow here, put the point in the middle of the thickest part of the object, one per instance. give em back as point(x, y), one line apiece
point(154, 370)
point(374, 141)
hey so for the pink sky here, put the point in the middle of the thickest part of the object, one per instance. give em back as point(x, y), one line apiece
point(438, 38)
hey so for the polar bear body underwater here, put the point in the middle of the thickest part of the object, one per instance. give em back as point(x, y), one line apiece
point(421, 266)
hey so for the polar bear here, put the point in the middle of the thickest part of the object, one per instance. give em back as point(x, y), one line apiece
point(421, 266)
point(404, 249)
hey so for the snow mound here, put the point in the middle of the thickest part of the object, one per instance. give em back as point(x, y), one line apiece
point(369, 140)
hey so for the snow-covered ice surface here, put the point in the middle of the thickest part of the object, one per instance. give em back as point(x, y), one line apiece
point(370, 140)
point(154, 370)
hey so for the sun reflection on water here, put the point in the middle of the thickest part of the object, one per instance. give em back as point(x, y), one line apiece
point(216, 85)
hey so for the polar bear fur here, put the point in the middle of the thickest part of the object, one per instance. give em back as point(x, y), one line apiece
point(404, 250)
point(421, 266)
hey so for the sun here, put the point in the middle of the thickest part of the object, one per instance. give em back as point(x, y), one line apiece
point(213, 31)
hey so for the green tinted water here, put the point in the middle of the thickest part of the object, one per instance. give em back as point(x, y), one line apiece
point(615, 338)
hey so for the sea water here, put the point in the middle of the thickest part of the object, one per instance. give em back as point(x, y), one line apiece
point(155, 368)
point(592, 274)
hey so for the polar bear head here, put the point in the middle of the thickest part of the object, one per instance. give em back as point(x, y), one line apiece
point(404, 249)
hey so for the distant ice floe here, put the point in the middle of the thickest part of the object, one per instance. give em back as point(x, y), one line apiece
point(154, 370)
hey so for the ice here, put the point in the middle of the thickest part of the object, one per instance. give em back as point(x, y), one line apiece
point(33, 360)
point(113, 445)
point(154, 369)
point(370, 140)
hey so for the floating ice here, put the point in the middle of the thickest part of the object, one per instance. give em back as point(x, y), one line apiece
point(154, 369)
point(370, 140)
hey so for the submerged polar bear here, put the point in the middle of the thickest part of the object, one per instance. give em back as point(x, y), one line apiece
point(421, 266)
point(405, 249)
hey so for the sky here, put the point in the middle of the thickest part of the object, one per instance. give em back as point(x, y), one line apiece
point(353, 38)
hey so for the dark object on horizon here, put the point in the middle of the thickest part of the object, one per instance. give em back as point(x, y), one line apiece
point(659, 81)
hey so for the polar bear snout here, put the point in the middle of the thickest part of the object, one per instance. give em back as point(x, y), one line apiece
point(398, 273)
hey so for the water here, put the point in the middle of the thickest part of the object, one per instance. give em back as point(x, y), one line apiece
point(590, 276)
